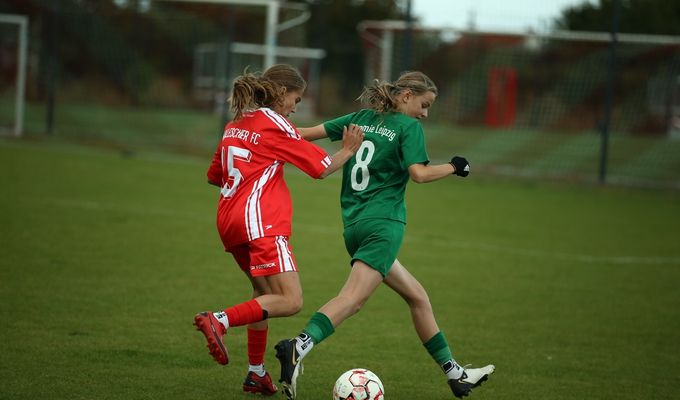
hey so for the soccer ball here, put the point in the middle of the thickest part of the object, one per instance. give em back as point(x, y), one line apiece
point(358, 384)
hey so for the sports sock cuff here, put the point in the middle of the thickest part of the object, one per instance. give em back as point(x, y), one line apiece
point(438, 348)
point(244, 313)
point(319, 327)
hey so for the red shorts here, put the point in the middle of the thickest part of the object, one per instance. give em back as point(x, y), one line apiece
point(265, 256)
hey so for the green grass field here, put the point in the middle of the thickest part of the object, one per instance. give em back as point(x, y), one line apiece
point(571, 291)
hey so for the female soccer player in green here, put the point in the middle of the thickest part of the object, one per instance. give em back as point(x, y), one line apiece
point(374, 215)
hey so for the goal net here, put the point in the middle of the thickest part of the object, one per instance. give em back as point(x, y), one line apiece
point(13, 48)
point(546, 81)
point(216, 65)
point(526, 104)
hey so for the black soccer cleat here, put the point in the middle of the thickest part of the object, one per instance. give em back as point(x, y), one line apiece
point(470, 379)
point(291, 366)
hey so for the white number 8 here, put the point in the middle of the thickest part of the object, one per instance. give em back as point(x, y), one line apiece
point(361, 166)
point(234, 176)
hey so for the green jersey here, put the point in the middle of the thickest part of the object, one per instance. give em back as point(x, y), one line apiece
point(374, 180)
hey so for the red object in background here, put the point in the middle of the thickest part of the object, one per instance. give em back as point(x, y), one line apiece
point(501, 97)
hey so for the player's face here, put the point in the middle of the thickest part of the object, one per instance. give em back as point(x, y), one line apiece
point(416, 106)
point(290, 102)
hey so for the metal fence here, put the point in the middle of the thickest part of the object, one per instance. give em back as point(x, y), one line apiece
point(530, 106)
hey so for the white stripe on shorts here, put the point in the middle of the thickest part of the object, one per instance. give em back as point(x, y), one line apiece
point(286, 262)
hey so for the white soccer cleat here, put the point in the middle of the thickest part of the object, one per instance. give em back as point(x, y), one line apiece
point(471, 378)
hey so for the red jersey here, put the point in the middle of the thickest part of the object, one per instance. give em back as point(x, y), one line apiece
point(248, 166)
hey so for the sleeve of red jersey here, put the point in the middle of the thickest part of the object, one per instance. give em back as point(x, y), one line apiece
point(307, 156)
point(290, 147)
point(215, 170)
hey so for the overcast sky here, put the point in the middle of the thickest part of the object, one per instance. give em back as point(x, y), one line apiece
point(506, 15)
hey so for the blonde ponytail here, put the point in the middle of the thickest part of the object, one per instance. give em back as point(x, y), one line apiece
point(382, 96)
point(255, 90)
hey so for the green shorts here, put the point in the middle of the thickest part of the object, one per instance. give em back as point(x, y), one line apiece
point(375, 241)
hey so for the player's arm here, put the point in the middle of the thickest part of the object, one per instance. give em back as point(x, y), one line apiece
point(421, 173)
point(330, 129)
point(215, 170)
point(313, 133)
point(351, 141)
point(312, 159)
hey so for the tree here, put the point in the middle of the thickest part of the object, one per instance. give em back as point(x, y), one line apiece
point(660, 17)
point(333, 27)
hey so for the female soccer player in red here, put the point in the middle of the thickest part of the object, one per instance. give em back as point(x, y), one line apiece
point(254, 211)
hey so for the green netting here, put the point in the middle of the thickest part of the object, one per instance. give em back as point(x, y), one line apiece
point(161, 77)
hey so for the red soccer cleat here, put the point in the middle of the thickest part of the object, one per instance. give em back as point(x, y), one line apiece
point(213, 331)
point(257, 384)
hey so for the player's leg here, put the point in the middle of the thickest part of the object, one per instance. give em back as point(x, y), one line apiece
point(373, 245)
point(360, 285)
point(407, 286)
point(285, 298)
point(362, 282)
point(258, 379)
point(257, 331)
point(268, 259)
point(281, 295)
point(271, 261)
point(208, 323)
point(460, 380)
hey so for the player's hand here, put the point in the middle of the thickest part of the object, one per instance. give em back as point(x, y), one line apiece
point(461, 166)
point(352, 137)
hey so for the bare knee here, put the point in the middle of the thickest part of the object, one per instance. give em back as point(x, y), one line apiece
point(418, 298)
point(296, 305)
point(292, 305)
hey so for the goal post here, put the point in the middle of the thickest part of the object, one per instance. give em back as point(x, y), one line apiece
point(16, 52)
point(547, 80)
point(271, 24)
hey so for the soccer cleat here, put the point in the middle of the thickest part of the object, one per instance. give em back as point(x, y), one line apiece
point(213, 331)
point(470, 379)
point(291, 366)
point(259, 384)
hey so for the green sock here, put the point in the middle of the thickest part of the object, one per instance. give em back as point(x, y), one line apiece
point(319, 327)
point(439, 350)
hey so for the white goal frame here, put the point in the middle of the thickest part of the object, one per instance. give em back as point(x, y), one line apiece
point(384, 41)
point(272, 25)
point(22, 23)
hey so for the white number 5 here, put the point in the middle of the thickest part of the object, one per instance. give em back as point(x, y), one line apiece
point(233, 174)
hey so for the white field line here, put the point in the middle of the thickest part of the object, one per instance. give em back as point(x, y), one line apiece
point(322, 229)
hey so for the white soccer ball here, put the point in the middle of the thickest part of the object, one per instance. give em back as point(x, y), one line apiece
point(358, 384)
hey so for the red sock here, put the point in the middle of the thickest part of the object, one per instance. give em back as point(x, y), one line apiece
point(257, 344)
point(244, 313)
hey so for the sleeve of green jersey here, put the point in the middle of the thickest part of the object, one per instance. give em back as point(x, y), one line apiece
point(334, 127)
point(413, 145)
